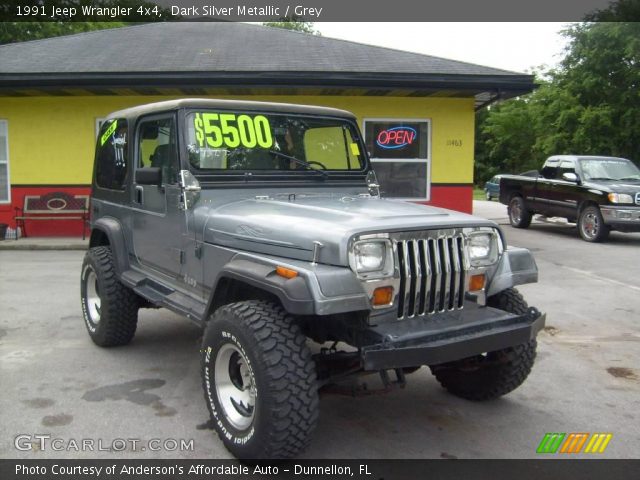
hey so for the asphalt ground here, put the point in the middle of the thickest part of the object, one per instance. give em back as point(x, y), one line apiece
point(54, 382)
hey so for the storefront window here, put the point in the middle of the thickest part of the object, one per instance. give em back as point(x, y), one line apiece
point(5, 186)
point(400, 154)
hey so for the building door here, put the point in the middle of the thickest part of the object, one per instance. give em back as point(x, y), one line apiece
point(158, 222)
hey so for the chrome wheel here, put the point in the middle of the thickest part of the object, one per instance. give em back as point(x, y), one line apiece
point(93, 297)
point(590, 225)
point(515, 211)
point(235, 386)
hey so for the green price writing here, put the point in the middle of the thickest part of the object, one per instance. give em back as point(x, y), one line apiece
point(108, 132)
point(230, 130)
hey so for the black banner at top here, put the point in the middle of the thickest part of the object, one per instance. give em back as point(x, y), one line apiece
point(302, 10)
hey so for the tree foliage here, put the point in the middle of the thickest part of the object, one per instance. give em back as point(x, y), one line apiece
point(590, 104)
point(11, 32)
point(63, 24)
point(294, 23)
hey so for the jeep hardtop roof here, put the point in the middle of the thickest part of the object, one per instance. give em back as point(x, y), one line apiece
point(241, 105)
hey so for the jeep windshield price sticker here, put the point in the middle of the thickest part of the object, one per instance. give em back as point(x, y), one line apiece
point(230, 130)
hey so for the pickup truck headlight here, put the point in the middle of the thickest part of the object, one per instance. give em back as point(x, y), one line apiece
point(372, 258)
point(482, 248)
point(620, 198)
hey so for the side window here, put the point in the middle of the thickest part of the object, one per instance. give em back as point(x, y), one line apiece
point(157, 148)
point(550, 170)
point(566, 167)
point(112, 160)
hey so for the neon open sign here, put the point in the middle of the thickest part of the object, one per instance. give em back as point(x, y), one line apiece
point(396, 137)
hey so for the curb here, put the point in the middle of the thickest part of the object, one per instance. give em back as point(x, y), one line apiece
point(32, 246)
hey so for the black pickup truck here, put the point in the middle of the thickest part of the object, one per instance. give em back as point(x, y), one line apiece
point(600, 194)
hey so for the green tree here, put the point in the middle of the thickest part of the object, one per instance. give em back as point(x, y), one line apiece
point(11, 32)
point(590, 104)
point(594, 105)
point(63, 24)
point(294, 23)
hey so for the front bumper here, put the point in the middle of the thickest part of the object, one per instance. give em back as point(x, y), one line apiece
point(622, 218)
point(447, 337)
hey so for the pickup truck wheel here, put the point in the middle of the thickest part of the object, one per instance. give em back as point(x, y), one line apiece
point(591, 225)
point(493, 374)
point(109, 308)
point(519, 215)
point(259, 381)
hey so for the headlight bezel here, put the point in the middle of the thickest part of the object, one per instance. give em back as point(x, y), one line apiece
point(387, 260)
point(494, 246)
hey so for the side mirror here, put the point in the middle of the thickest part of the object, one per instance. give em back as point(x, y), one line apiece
point(190, 189)
point(149, 176)
point(570, 177)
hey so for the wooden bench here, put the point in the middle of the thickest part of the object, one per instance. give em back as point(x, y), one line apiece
point(53, 206)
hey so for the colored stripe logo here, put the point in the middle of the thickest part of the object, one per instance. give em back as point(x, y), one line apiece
point(574, 443)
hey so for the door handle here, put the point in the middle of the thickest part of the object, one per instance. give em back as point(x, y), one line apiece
point(139, 194)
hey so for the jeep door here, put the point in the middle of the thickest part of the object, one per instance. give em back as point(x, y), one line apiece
point(157, 221)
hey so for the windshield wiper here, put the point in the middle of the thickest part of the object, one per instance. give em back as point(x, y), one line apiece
point(299, 161)
point(632, 177)
point(601, 178)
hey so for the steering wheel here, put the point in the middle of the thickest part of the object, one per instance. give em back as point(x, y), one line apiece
point(313, 162)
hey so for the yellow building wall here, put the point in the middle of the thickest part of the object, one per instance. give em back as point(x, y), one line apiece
point(52, 139)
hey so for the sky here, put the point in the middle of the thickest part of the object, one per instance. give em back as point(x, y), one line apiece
point(514, 46)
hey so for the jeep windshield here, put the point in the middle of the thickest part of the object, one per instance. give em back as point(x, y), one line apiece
point(609, 169)
point(224, 143)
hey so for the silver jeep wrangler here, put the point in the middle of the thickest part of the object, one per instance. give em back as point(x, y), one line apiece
point(264, 224)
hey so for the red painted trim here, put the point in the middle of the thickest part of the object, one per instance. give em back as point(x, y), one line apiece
point(458, 198)
point(43, 228)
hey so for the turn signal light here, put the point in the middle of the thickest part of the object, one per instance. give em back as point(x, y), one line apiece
point(382, 296)
point(476, 282)
point(286, 272)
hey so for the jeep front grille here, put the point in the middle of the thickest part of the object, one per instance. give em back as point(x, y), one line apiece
point(433, 267)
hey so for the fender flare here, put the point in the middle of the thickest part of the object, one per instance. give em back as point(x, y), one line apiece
point(112, 228)
point(294, 293)
point(516, 267)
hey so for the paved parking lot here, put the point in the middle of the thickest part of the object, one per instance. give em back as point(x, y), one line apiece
point(55, 382)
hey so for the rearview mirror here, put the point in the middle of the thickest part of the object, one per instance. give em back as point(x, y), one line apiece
point(149, 176)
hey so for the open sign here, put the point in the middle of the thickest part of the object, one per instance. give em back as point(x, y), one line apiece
point(396, 137)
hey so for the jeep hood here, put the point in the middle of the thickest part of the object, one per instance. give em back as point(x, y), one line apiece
point(289, 228)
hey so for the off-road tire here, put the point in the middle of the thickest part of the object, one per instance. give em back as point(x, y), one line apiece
point(489, 376)
point(282, 371)
point(118, 306)
point(519, 215)
point(591, 225)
